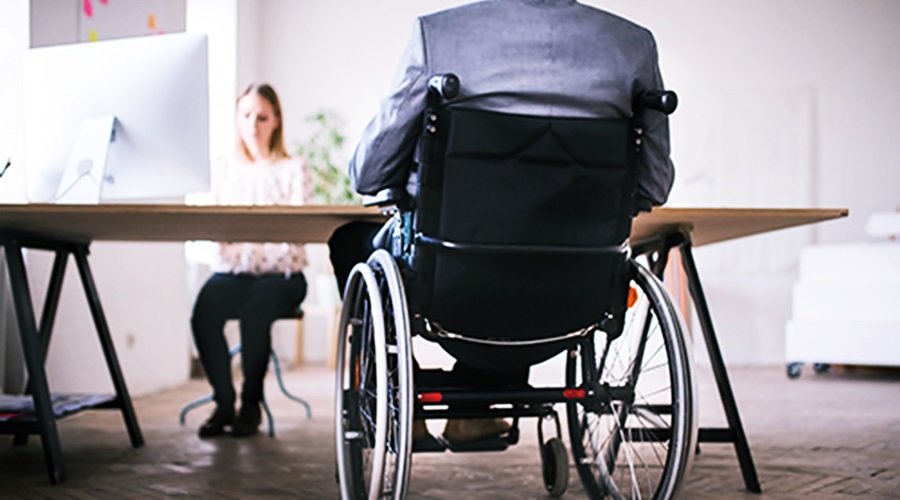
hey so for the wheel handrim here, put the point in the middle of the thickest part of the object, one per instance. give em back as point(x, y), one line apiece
point(373, 410)
point(636, 448)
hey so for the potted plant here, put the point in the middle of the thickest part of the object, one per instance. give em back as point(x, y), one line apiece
point(323, 151)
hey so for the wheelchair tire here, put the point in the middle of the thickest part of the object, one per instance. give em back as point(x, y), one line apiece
point(555, 465)
point(637, 439)
point(373, 393)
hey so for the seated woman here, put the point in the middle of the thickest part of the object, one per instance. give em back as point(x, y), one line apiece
point(254, 282)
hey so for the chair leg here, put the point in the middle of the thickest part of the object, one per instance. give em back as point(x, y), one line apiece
point(268, 417)
point(284, 390)
point(206, 399)
point(193, 404)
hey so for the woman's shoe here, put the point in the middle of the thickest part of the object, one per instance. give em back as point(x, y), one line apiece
point(247, 422)
point(217, 422)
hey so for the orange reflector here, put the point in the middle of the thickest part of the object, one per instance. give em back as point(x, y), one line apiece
point(632, 296)
point(573, 393)
point(430, 397)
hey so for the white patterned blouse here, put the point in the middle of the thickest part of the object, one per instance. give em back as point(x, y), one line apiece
point(284, 182)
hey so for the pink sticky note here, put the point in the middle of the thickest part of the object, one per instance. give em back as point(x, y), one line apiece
point(88, 8)
point(104, 2)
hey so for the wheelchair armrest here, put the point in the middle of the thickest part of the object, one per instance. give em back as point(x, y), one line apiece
point(386, 197)
point(664, 101)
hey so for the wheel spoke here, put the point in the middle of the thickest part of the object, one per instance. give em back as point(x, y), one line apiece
point(626, 447)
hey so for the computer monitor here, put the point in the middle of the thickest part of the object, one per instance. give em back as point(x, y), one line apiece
point(117, 120)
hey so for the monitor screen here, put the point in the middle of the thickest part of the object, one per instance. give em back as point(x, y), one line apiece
point(117, 120)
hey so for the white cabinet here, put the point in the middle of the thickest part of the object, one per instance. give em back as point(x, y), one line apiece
point(846, 306)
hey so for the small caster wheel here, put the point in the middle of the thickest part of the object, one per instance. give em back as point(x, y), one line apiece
point(793, 370)
point(555, 464)
point(821, 368)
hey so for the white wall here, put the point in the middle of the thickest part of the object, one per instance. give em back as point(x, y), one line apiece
point(14, 32)
point(342, 55)
point(816, 76)
point(826, 64)
point(143, 291)
point(339, 55)
point(14, 39)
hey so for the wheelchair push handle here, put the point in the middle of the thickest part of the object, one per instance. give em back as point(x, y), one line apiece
point(664, 101)
point(444, 85)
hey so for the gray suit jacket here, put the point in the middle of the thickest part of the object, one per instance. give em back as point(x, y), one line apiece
point(537, 57)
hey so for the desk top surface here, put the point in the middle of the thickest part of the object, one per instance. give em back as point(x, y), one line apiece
point(315, 223)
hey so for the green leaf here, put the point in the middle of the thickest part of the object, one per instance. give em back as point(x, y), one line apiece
point(323, 150)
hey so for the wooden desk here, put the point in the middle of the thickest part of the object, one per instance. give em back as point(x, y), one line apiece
point(314, 223)
point(712, 225)
point(69, 229)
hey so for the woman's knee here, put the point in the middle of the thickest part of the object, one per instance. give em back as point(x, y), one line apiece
point(215, 302)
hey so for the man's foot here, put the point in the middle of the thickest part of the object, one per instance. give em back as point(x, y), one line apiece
point(476, 429)
point(419, 430)
point(423, 440)
point(247, 422)
point(217, 422)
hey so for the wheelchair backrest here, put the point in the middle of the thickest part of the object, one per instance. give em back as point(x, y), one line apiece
point(521, 222)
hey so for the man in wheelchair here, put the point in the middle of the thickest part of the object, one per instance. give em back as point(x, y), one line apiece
point(518, 141)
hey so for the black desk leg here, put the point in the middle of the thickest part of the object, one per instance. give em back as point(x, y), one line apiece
point(34, 362)
point(109, 351)
point(718, 365)
point(48, 316)
point(51, 301)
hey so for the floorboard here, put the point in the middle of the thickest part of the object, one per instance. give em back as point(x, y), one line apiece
point(822, 436)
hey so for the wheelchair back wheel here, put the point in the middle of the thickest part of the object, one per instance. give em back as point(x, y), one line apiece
point(373, 399)
point(636, 438)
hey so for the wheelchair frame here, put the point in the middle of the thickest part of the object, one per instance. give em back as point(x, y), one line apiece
point(616, 424)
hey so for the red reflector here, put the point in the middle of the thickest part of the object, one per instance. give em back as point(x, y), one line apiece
point(573, 393)
point(430, 397)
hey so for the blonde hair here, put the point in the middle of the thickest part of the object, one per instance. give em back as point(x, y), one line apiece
point(276, 142)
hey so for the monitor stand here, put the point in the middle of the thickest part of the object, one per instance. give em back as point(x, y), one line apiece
point(82, 180)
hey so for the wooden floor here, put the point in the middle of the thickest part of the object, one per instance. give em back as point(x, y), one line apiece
point(834, 435)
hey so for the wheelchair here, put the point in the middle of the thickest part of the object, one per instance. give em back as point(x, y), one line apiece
point(513, 250)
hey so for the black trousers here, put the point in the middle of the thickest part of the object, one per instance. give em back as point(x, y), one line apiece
point(256, 301)
point(351, 244)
